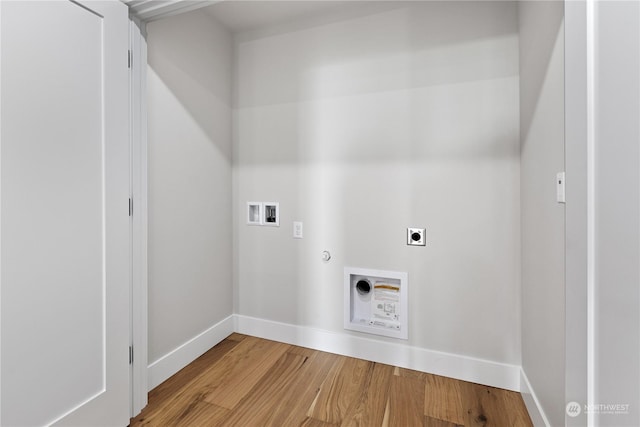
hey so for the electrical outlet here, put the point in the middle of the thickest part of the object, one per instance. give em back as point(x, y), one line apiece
point(416, 236)
point(297, 230)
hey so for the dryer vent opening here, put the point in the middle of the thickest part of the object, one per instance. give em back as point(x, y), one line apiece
point(363, 287)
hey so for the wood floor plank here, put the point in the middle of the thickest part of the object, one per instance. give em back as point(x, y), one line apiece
point(201, 414)
point(171, 410)
point(226, 381)
point(191, 371)
point(168, 399)
point(406, 402)
point(198, 414)
point(371, 409)
point(474, 401)
point(188, 410)
point(409, 373)
point(274, 384)
point(236, 337)
point(302, 351)
point(268, 394)
point(484, 406)
point(331, 375)
point(343, 388)
point(302, 393)
point(442, 399)
point(240, 370)
point(515, 409)
point(312, 422)
point(434, 422)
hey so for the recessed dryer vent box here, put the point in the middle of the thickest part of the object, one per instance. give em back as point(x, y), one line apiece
point(376, 302)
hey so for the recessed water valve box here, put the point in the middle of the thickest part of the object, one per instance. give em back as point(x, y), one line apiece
point(271, 214)
point(376, 302)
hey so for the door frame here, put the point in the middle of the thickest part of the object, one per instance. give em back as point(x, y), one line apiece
point(580, 211)
point(140, 13)
point(138, 222)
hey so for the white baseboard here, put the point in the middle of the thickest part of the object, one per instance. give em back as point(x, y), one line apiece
point(446, 364)
point(532, 403)
point(180, 357)
point(510, 377)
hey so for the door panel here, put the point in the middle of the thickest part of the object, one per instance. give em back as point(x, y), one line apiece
point(64, 224)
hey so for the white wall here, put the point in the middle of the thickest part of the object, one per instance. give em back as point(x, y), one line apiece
point(543, 230)
point(364, 127)
point(189, 125)
point(603, 229)
point(617, 211)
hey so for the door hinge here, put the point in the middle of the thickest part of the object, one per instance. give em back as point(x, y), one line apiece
point(130, 355)
point(130, 206)
point(129, 59)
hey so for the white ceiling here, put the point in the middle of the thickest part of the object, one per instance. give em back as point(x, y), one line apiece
point(241, 16)
point(246, 15)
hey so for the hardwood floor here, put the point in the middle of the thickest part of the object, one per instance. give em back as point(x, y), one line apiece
point(250, 382)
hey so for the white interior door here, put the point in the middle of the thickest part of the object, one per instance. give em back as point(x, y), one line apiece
point(64, 227)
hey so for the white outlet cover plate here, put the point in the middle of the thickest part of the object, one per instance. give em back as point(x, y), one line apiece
point(560, 187)
point(423, 236)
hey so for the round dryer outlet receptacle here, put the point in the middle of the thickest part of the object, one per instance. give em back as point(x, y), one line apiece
point(416, 236)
